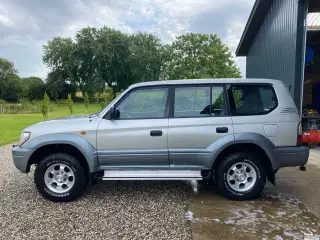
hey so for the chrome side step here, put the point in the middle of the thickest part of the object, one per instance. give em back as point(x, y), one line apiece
point(152, 175)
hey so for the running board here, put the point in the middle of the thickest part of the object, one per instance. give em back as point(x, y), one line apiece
point(152, 175)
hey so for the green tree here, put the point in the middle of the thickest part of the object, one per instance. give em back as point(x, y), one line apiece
point(112, 51)
point(200, 56)
point(86, 58)
point(86, 100)
point(74, 62)
point(33, 88)
point(70, 104)
point(97, 58)
point(44, 106)
point(11, 89)
point(9, 80)
point(57, 85)
point(60, 56)
point(6, 68)
point(145, 59)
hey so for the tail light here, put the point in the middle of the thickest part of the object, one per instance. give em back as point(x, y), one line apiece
point(299, 137)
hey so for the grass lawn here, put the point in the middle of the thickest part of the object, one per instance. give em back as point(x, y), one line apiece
point(11, 125)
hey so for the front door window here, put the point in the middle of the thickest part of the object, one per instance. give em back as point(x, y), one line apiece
point(144, 103)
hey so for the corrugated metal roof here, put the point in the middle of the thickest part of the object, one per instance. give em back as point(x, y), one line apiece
point(313, 20)
point(257, 15)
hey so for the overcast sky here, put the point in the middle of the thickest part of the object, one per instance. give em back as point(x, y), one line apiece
point(26, 25)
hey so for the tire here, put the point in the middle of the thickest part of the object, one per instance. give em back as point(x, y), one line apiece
point(59, 177)
point(241, 176)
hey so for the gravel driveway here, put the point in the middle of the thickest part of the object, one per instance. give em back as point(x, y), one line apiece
point(108, 210)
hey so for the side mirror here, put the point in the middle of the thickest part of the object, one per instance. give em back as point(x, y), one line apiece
point(114, 113)
point(117, 114)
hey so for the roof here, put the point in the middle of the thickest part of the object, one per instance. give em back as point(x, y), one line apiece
point(203, 81)
point(313, 21)
point(256, 18)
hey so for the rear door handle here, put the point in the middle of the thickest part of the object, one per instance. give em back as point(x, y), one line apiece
point(156, 133)
point(222, 129)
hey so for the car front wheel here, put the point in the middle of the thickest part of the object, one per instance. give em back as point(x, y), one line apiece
point(241, 176)
point(59, 177)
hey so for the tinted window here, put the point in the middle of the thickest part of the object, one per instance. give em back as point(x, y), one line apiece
point(195, 102)
point(144, 103)
point(252, 99)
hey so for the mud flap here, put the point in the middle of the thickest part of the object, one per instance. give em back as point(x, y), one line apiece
point(272, 178)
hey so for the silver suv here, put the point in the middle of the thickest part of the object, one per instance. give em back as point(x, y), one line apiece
point(237, 132)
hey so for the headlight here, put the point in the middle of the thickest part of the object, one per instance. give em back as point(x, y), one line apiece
point(24, 137)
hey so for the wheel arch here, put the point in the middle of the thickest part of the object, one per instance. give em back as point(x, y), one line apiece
point(45, 150)
point(249, 143)
point(247, 148)
point(67, 143)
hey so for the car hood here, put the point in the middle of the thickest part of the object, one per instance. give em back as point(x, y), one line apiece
point(72, 124)
point(71, 117)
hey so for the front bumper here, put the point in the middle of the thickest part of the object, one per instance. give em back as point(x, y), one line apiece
point(21, 158)
point(290, 157)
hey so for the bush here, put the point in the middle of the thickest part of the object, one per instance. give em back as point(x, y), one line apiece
point(105, 100)
point(108, 95)
point(26, 105)
point(102, 105)
point(12, 109)
point(44, 106)
point(86, 100)
point(2, 105)
point(70, 104)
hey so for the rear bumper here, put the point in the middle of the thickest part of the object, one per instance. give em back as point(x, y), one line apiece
point(290, 157)
point(21, 158)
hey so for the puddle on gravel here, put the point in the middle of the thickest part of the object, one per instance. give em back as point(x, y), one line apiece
point(270, 217)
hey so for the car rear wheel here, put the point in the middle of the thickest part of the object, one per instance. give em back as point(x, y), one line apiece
point(59, 177)
point(241, 176)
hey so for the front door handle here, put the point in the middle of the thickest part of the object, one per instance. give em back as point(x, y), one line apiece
point(222, 129)
point(156, 133)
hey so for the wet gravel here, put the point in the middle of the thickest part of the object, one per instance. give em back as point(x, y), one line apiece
point(108, 210)
point(276, 216)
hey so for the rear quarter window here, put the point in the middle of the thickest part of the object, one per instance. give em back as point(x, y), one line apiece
point(247, 100)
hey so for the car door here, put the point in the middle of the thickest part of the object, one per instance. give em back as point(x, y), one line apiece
point(139, 136)
point(199, 118)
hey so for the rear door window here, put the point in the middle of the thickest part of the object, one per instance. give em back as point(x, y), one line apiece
point(246, 100)
point(195, 101)
point(192, 102)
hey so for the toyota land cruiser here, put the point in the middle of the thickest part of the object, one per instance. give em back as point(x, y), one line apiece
point(238, 132)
